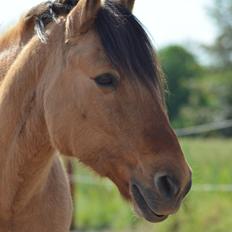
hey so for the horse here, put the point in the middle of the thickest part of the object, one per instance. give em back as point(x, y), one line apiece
point(86, 85)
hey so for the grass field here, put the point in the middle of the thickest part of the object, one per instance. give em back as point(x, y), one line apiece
point(100, 207)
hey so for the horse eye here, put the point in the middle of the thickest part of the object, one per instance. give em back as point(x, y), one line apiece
point(106, 80)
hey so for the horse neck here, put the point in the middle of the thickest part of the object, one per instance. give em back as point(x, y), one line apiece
point(12, 42)
point(25, 149)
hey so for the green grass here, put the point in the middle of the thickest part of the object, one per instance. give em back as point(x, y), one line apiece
point(100, 207)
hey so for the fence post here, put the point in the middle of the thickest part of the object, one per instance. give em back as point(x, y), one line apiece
point(69, 167)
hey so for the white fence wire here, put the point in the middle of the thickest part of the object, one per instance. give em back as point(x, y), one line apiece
point(81, 179)
point(204, 128)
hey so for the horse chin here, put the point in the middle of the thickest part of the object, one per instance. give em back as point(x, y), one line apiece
point(142, 208)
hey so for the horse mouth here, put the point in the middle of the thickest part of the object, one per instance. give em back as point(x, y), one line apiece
point(142, 207)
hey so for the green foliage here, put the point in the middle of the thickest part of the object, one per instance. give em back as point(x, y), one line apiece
point(209, 100)
point(221, 13)
point(180, 67)
point(197, 95)
point(200, 95)
point(100, 208)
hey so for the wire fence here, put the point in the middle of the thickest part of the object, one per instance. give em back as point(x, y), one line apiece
point(81, 179)
point(204, 128)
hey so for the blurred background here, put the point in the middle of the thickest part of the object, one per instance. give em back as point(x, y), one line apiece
point(193, 40)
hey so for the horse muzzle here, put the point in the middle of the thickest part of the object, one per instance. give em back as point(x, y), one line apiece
point(156, 203)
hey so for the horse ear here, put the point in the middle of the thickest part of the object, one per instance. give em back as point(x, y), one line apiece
point(81, 18)
point(129, 4)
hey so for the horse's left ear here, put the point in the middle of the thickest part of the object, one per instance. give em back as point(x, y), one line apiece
point(129, 4)
point(82, 17)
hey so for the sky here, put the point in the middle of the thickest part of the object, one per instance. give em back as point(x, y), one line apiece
point(167, 21)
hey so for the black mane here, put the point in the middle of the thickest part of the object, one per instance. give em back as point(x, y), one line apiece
point(127, 45)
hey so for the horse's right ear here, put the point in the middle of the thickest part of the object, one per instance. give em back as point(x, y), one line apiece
point(82, 17)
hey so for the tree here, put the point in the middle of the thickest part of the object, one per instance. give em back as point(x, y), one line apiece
point(221, 13)
point(180, 67)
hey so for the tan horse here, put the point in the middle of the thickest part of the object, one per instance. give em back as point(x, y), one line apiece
point(91, 91)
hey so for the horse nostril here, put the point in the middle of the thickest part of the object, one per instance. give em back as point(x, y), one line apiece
point(166, 186)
